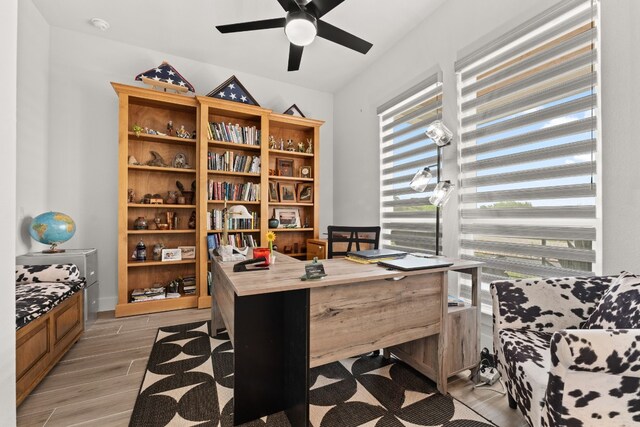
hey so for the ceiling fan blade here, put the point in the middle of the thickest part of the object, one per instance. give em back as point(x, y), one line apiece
point(341, 37)
point(322, 7)
point(295, 56)
point(289, 5)
point(253, 25)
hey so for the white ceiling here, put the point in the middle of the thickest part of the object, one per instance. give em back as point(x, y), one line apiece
point(186, 28)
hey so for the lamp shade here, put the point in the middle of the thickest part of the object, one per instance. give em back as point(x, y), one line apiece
point(239, 212)
point(421, 180)
point(301, 28)
point(439, 133)
point(441, 193)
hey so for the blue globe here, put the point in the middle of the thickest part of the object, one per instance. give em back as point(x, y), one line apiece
point(52, 228)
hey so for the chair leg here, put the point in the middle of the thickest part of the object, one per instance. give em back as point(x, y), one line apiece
point(512, 401)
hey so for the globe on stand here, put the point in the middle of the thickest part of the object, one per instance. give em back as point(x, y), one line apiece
point(52, 228)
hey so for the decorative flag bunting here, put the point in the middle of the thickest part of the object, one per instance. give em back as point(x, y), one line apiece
point(165, 76)
point(232, 90)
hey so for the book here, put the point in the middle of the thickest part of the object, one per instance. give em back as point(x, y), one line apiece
point(455, 301)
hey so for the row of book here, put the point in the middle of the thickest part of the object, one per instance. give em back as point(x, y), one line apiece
point(239, 240)
point(228, 161)
point(247, 192)
point(189, 285)
point(237, 134)
point(214, 221)
point(148, 294)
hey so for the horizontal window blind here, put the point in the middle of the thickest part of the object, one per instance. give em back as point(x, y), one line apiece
point(527, 103)
point(408, 219)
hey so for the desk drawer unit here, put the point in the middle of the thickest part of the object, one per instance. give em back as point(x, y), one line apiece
point(356, 318)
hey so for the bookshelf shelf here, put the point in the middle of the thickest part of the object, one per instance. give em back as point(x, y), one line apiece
point(279, 230)
point(234, 202)
point(230, 173)
point(285, 153)
point(289, 204)
point(239, 230)
point(159, 206)
point(160, 169)
point(232, 145)
point(289, 178)
point(159, 263)
point(185, 231)
point(162, 139)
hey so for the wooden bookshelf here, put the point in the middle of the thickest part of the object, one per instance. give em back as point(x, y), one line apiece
point(153, 109)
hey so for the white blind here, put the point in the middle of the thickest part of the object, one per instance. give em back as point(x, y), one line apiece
point(527, 104)
point(408, 219)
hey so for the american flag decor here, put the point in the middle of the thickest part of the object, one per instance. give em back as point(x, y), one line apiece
point(232, 90)
point(165, 76)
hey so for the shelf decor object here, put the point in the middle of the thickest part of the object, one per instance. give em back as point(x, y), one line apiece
point(157, 115)
point(442, 136)
point(233, 90)
point(294, 111)
point(165, 77)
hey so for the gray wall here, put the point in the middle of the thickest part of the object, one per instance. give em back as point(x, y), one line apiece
point(33, 120)
point(621, 145)
point(82, 173)
point(8, 47)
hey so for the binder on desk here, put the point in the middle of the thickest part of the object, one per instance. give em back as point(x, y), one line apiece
point(414, 263)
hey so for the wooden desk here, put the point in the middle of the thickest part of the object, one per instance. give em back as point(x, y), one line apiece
point(281, 326)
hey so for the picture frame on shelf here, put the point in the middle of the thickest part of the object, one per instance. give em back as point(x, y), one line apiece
point(273, 192)
point(284, 167)
point(287, 192)
point(305, 193)
point(305, 171)
point(188, 252)
point(289, 217)
point(171, 255)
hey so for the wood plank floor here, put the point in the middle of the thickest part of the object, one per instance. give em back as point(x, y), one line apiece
point(97, 382)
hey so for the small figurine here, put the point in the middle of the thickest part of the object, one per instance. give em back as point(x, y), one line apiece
point(192, 220)
point(281, 144)
point(133, 160)
point(301, 147)
point(193, 134)
point(170, 127)
point(180, 186)
point(272, 142)
point(150, 131)
point(137, 129)
point(131, 195)
point(309, 146)
point(290, 146)
point(182, 133)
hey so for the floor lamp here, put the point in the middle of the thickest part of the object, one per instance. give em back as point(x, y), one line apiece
point(442, 136)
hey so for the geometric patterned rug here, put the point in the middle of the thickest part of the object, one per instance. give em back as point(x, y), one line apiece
point(189, 382)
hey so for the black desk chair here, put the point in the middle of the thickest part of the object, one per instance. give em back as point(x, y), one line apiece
point(370, 236)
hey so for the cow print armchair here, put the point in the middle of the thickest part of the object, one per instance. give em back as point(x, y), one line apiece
point(568, 349)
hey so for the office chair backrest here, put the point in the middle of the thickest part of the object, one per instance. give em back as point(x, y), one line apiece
point(356, 239)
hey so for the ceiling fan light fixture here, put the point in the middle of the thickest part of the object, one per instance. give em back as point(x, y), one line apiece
point(301, 28)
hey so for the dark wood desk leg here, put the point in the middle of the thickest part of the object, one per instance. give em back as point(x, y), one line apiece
point(272, 356)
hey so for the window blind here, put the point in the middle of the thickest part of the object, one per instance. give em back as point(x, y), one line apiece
point(528, 143)
point(408, 219)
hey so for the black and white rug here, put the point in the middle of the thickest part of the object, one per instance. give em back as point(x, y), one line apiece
point(189, 382)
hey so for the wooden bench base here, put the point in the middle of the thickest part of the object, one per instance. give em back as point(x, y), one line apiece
point(43, 342)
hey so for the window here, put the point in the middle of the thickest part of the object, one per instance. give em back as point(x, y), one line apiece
point(528, 146)
point(408, 219)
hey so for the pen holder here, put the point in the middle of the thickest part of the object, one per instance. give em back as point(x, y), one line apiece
point(262, 252)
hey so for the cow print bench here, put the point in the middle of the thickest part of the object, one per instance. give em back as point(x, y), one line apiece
point(49, 320)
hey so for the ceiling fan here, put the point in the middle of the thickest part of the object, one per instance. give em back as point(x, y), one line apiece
point(301, 26)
